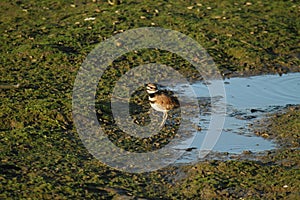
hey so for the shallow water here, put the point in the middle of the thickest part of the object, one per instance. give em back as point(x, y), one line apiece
point(247, 100)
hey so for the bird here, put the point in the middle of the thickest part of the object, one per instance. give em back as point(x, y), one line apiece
point(161, 101)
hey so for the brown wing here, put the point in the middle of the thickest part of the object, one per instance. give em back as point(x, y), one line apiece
point(167, 102)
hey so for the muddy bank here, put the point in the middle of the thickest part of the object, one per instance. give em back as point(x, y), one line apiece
point(275, 175)
point(284, 127)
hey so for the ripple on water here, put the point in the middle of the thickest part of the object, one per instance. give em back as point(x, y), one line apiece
point(262, 91)
point(248, 99)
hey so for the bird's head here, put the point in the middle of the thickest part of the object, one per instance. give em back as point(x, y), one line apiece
point(151, 88)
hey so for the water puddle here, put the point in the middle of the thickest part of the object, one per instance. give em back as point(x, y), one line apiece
point(248, 99)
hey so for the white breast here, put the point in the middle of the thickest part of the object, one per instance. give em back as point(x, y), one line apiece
point(157, 107)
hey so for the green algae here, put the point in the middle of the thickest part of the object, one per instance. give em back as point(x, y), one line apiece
point(43, 44)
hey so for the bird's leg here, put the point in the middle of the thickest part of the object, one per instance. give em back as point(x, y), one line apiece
point(164, 119)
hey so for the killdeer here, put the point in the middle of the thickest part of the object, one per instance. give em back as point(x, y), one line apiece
point(161, 101)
